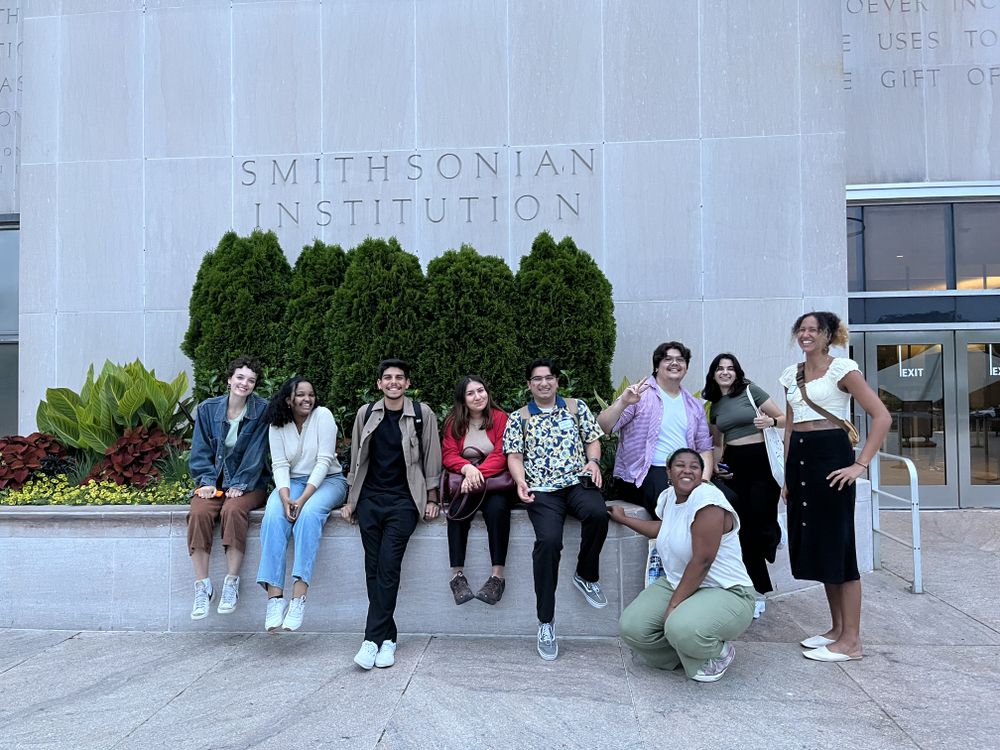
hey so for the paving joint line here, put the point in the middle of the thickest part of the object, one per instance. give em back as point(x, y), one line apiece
point(26, 659)
point(406, 686)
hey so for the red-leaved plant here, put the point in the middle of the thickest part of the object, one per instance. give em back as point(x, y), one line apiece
point(132, 458)
point(20, 457)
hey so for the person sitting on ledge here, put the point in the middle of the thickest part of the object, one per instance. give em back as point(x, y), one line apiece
point(705, 599)
point(227, 464)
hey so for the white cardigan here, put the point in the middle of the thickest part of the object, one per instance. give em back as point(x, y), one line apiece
point(312, 453)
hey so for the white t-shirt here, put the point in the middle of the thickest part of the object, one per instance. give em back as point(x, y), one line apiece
point(823, 391)
point(674, 540)
point(673, 428)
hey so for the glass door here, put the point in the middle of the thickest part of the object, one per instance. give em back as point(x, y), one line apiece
point(978, 389)
point(911, 372)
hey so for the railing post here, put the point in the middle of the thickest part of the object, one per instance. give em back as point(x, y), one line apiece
point(918, 575)
point(875, 479)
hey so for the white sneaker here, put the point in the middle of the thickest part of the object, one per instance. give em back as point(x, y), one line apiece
point(296, 611)
point(230, 593)
point(275, 612)
point(202, 597)
point(365, 658)
point(759, 605)
point(386, 656)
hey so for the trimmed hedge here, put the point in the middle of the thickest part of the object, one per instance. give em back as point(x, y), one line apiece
point(471, 326)
point(318, 272)
point(565, 311)
point(237, 307)
point(378, 312)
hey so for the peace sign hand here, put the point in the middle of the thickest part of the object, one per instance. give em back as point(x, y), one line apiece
point(633, 393)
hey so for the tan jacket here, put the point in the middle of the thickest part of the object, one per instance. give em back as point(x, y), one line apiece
point(422, 480)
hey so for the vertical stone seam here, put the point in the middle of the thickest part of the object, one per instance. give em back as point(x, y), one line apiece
point(701, 190)
point(604, 144)
point(800, 150)
point(232, 124)
point(322, 129)
point(144, 19)
point(509, 139)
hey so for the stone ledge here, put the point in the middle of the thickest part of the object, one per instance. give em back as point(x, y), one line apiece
point(127, 568)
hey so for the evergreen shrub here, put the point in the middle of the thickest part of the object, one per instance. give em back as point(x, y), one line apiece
point(470, 326)
point(378, 312)
point(237, 307)
point(565, 311)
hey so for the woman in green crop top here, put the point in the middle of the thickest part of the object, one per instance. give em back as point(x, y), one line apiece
point(736, 426)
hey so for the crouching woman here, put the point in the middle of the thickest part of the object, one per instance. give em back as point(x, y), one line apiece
point(705, 599)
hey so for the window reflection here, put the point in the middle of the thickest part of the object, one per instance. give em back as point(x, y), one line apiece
point(977, 245)
point(905, 247)
point(984, 412)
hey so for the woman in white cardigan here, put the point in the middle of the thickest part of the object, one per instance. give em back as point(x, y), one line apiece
point(309, 483)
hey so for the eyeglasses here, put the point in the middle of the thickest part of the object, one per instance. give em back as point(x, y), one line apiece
point(543, 379)
point(674, 360)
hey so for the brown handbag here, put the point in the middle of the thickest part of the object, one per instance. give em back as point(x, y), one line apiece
point(800, 381)
point(461, 506)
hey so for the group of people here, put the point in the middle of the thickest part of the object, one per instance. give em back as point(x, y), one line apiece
point(714, 522)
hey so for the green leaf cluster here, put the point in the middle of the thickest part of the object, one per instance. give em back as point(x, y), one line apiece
point(238, 307)
point(121, 397)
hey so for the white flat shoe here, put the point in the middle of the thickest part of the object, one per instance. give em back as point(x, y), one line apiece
point(824, 654)
point(816, 641)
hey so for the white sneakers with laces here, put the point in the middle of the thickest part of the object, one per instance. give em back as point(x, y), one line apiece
point(365, 658)
point(296, 611)
point(386, 656)
point(202, 598)
point(230, 595)
point(275, 613)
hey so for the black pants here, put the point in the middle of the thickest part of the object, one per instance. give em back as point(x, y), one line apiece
point(647, 493)
point(756, 503)
point(548, 514)
point(496, 513)
point(386, 523)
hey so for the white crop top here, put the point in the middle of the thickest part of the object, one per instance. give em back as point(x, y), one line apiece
point(822, 391)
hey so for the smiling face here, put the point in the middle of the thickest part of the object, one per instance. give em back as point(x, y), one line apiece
point(393, 384)
point(672, 368)
point(685, 473)
point(302, 400)
point(543, 386)
point(810, 337)
point(242, 382)
point(725, 374)
point(476, 398)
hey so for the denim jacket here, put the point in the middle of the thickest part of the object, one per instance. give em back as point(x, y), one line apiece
point(245, 469)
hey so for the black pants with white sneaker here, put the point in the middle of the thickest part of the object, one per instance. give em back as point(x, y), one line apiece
point(548, 515)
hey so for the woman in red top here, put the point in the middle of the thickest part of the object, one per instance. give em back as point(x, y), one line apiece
point(473, 428)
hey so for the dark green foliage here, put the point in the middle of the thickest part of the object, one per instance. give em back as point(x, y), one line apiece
point(565, 311)
point(318, 273)
point(238, 307)
point(377, 313)
point(471, 325)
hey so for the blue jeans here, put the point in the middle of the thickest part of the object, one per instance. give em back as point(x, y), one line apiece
point(307, 529)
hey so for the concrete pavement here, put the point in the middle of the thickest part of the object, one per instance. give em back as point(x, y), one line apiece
point(930, 679)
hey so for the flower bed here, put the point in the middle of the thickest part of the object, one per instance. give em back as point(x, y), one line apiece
point(58, 490)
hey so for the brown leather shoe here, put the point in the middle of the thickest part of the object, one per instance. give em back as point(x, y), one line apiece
point(460, 589)
point(492, 590)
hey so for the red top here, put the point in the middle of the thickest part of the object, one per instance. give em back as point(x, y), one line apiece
point(493, 464)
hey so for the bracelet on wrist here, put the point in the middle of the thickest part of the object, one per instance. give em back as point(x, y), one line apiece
point(863, 466)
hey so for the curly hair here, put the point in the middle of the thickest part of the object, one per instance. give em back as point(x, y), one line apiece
point(829, 324)
point(279, 413)
point(248, 362)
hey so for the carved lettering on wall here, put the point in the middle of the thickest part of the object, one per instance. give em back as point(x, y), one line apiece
point(10, 103)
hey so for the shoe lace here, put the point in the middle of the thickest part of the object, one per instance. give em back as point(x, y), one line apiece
point(712, 666)
point(201, 597)
point(274, 606)
point(229, 592)
point(296, 606)
point(545, 634)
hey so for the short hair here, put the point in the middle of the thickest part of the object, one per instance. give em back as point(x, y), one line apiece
point(711, 392)
point(828, 323)
point(541, 362)
point(248, 362)
point(279, 413)
point(661, 351)
point(401, 364)
point(680, 451)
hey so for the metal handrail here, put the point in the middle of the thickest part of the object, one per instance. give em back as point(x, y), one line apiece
point(914, 501)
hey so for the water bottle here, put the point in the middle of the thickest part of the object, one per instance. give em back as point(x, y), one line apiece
point(655, 569)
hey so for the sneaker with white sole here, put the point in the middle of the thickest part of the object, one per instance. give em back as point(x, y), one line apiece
point(759, 605)
point(296, 611)
point(548, 649)
point(591, 592)
point(386, 655)
point(202, 598)
point(713, 669)
point(365, 658)
point(230, 594)
point(275, 613)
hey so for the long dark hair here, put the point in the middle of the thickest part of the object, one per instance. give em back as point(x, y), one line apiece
point(711, 392)
point(279, 413)
point(458, 418)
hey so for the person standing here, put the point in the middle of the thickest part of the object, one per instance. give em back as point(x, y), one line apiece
point(820, 472)
point(395, 466)
point(553, 449)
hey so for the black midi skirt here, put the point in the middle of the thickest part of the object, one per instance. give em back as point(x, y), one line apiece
point(820, 518)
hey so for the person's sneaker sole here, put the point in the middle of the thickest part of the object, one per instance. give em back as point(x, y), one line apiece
point(549, 657)
point(199, 615)
point(591, 602)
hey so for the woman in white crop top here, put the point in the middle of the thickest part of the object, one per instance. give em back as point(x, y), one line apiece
point(820, 471)
point(705, 600)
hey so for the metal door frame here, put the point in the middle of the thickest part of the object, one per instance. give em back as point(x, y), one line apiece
point(970, 495)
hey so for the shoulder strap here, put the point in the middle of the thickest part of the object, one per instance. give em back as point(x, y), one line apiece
point(418, 425)
point(525, 416)
point(800, 381)
point(750, 396)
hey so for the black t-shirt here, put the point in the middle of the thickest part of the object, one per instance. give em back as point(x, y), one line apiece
point(386, 463)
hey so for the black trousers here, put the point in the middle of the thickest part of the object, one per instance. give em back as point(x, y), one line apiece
point(548, 515)
point(647, 493)
point(386, 523)
point(496, 513)
point(756, 503)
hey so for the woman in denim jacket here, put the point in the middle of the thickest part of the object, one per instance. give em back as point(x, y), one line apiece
point(228, 467)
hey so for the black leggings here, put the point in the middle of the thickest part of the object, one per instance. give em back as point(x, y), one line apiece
point(756, 503)
point(496, 513)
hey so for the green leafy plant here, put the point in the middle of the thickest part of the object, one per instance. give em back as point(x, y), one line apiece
point(565, 311)
point(238, 306)
point(60, 490)
point(173, 467)
point(133, 458)
point(121, 397)
point(21, 457)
